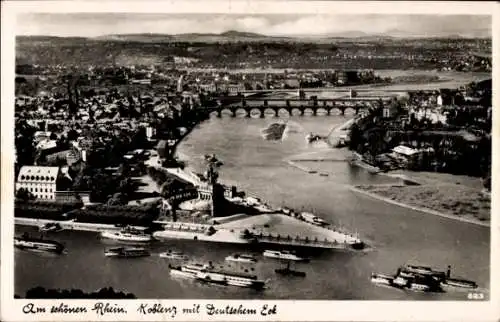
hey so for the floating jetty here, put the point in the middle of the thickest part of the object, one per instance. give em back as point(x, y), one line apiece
point(71, 225)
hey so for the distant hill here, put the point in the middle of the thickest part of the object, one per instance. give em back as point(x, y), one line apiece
point(228, 36)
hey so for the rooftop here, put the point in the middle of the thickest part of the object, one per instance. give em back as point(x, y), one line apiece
point(38, 173)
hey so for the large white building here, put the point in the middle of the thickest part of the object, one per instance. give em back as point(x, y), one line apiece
point(40, 181)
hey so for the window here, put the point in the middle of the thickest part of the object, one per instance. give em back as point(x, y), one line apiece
point(46, 190)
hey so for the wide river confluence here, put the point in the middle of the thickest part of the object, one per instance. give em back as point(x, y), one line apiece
point(397, 235)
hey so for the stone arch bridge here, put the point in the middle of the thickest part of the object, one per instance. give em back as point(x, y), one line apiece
point(234, 104)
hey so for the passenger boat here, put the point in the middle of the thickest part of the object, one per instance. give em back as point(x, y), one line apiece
point(127, 235)
point(244, 258)
point(50, 227)
point(423, 270)
point(208, 274)
point(126, 252)
point(422, 278)
point(38, 244)
point(459, 283)
point(170, 254)
point(284, 254)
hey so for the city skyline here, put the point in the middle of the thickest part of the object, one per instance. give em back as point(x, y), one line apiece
point(290, 25)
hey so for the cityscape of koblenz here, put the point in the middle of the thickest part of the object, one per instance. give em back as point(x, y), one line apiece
point(235, 160)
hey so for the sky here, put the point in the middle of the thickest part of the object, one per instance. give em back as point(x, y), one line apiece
point(99, 24)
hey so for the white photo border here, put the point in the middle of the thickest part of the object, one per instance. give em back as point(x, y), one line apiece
point(11, 309)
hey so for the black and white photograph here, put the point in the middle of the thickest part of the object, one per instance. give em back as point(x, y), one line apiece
point(247, 156)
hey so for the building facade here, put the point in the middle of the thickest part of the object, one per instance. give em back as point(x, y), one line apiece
point(40, 181)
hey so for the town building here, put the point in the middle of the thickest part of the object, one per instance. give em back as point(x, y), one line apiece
point(40, 181)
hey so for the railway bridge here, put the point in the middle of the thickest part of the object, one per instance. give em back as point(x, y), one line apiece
point(275, 105)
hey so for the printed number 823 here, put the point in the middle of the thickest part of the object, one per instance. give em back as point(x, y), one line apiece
point(475, 296)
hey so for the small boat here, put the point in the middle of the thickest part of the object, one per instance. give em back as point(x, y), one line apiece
point(244, 258)
point(170, 254)
point(384, 279)
point(38, 244)
point(289, 272)
point(127, 235)
point(52, 227)
point(311, 137)
point(126, 252)
point(284, 254)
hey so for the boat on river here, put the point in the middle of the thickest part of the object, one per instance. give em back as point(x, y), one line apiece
point(127, 235)
point(172, 254)
point(284, 254)
point(244, 258)
point(51, 227)
point(458, 283)
point(26, 242)
point(311, 137)
point(422, 278)
point(207, 273)
point(126, 252)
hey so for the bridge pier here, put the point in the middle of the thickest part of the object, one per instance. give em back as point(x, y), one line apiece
point(233, 113)
point(315, 111)
point(261, 115)
point(342, 110)
point(276, 112)
point(219, 113)
point(247, 113)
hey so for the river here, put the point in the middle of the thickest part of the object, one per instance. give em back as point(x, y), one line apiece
point(396, 235)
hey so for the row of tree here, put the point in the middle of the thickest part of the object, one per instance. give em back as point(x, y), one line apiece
point(104, 293)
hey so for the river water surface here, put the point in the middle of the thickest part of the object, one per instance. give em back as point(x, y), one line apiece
point(396, 235)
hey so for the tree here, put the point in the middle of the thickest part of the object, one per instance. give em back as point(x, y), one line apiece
point(24, 195)
point(25, 149)
point(118, 199)
point(72, 135)
point(355, 137)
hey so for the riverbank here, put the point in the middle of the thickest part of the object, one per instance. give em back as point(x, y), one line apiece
point(453, 201)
